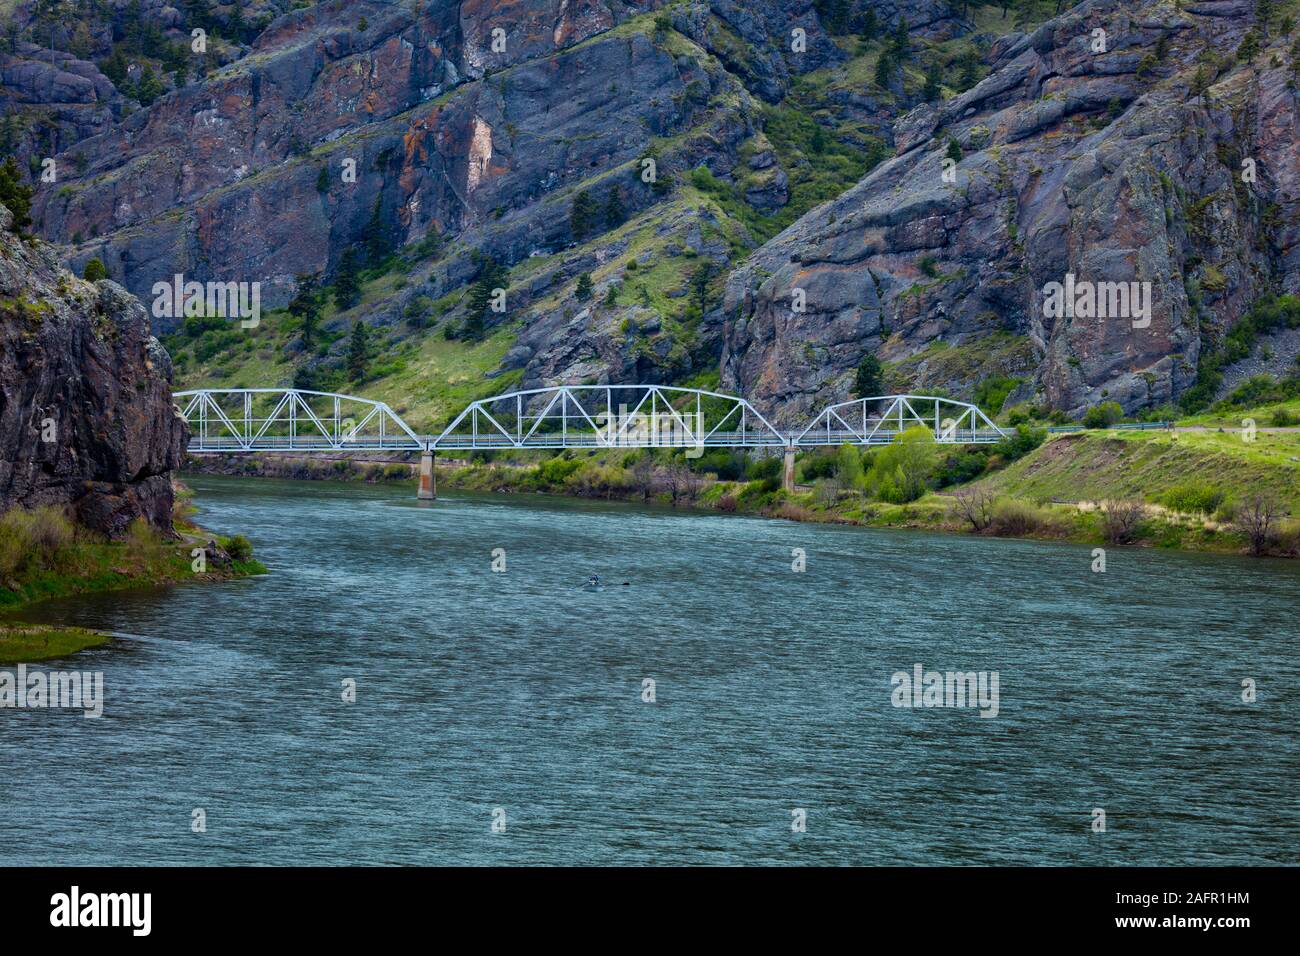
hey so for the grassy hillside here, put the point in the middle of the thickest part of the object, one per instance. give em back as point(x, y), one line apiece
point(1148, 465)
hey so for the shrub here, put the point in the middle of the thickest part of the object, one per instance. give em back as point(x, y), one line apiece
point(142, 543)
point(1015, 518)
point(764, 469)
point(902, 470)
point(596, 480)
point(32, 540)
point(1258, 519)
point(991, 393)
point(1025, 440)
point(1121, 521)
point(94, 271)
point(1288, 536)
point(239, 548)
point(976, 506)
point(727, 503)
point(817, 466)
point(1193, 497)
point(728, 465)
point(1103, 416)
point(1284, 418)
point(555, 471)
point(848, 467)
point(960, 468)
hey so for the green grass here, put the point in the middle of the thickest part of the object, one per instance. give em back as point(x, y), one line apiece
point(44, 555)
point(27, 643)
point(998, 354)
point(1092, 466)
point(1226, 417)
point(439, 377)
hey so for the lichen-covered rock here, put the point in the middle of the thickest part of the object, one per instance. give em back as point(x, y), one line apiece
point(86, 417)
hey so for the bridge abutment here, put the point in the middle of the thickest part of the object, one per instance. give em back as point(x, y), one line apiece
point(787, 473)
point(428, 478)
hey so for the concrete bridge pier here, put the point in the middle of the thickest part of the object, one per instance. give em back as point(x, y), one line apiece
point(787, 473)
point(428, 477)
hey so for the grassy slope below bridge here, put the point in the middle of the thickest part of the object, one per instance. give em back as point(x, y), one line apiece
point(1091, 466)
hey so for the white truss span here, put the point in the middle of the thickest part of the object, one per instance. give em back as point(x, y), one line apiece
point(290, 419)
point(570, 416)
point(877, 420)
point(610, 416)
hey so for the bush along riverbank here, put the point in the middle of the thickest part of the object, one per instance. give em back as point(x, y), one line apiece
point(1100, 488)
point(44, 554)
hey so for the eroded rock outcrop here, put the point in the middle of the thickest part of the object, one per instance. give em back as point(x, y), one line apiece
point(471, 120)
point(86, 417)
point(1112, 162)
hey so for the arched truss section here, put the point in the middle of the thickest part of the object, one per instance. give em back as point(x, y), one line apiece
point(610, 416)
point(877, 420)
point(290, 419)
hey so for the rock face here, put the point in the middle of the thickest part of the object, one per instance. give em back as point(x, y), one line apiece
point(1097, 160)
point(86, 417)
point(468, 119)
point(1104, 148)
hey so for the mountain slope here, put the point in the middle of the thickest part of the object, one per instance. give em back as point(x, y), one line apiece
point(517, 159)
point(1117, 166)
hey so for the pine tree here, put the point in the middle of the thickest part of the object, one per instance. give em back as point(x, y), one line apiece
point(347, 283)
point(94, 271)
point(583, 291)
point(16, 196)
point(931, 91)
point(884, 69)
point(902, 45)
point(491, 277)
point(870, 28)
point(954, 150)
point(149, 88)
point(700, 284)
point(869, 380)
point(1249, 48)
point(1200, 81)
point(305, 306)
point(615, 213)
point(584, 216)
point(359, 351)
point(818, 141)
point(375, 237)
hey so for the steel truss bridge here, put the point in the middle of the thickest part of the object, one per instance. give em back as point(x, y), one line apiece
point(234, 420)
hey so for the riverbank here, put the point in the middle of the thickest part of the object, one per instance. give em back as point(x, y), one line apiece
point(1209, 492)
point(44, 555)
point(30, 643)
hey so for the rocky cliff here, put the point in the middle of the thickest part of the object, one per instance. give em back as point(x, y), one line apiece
point(446, 118)
point(1118, 143)
point(86, 417)
point(1104, 146)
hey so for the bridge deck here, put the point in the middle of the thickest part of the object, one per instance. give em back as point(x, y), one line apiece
point(221, 443)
